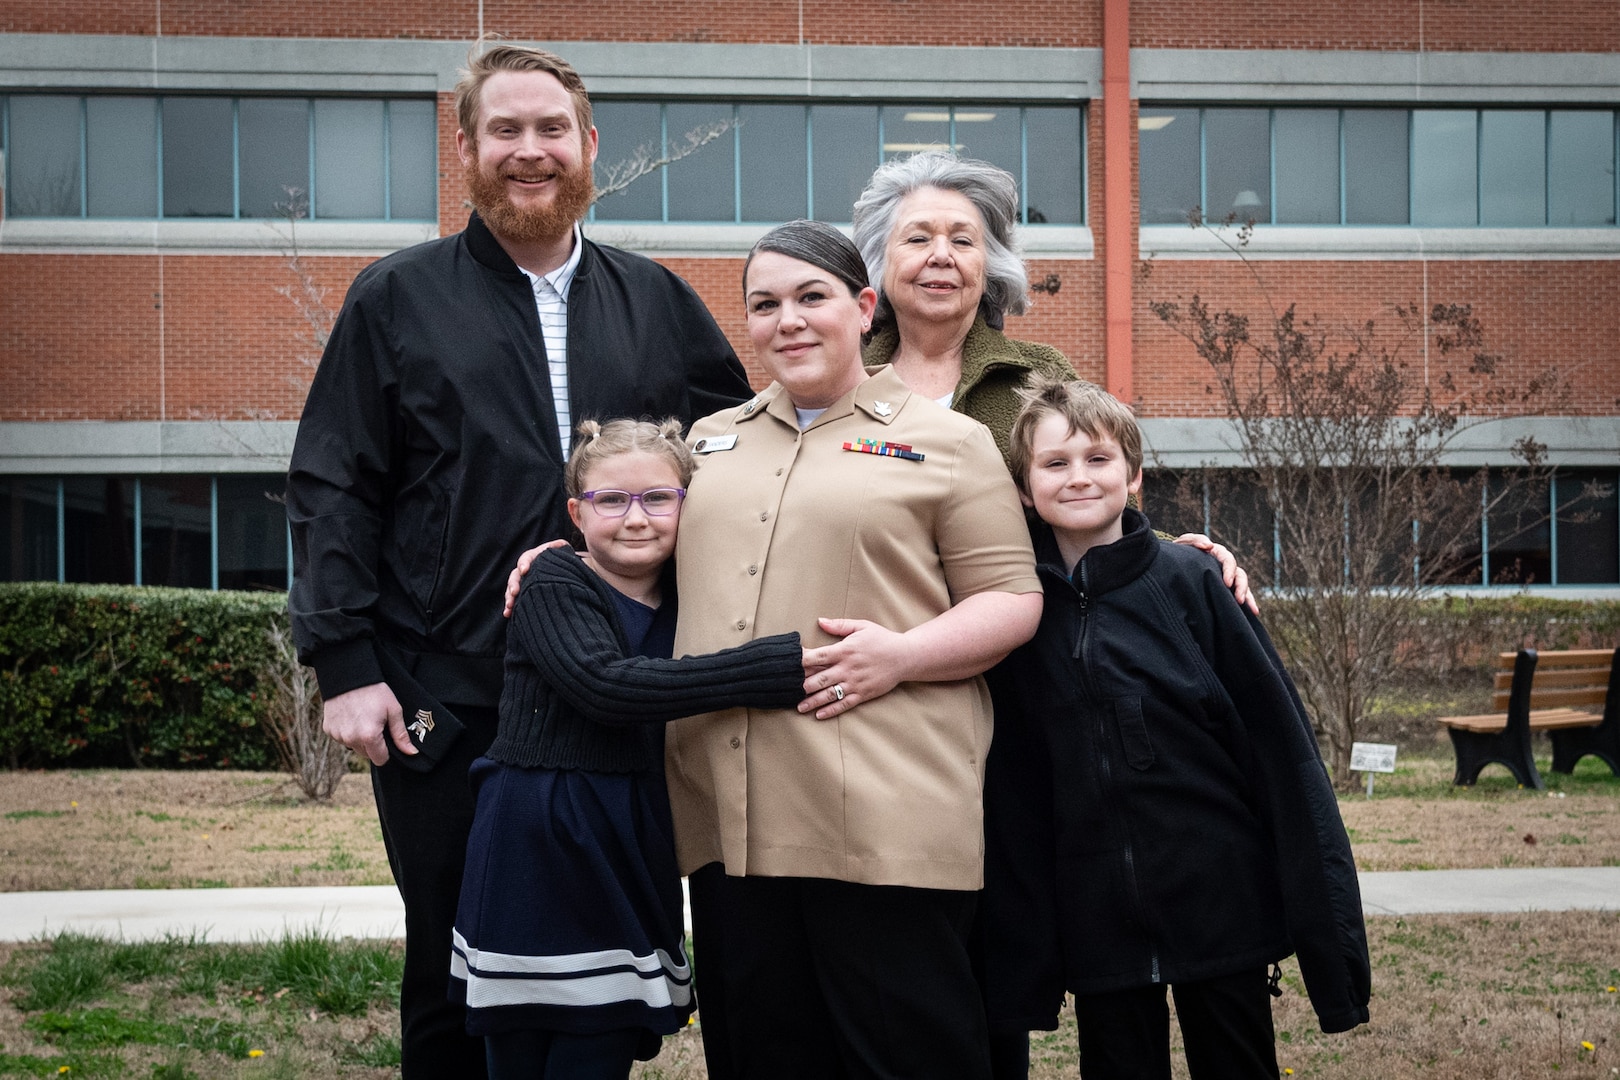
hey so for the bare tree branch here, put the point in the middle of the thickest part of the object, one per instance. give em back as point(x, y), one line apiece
point(644, 159)
point(1347, 480)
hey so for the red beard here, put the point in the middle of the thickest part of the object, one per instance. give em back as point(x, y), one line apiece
point(527, 225)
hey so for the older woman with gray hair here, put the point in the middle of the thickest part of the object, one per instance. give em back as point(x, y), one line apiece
point(936, 232)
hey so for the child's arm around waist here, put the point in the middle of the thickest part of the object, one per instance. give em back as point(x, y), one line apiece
point(563, 625)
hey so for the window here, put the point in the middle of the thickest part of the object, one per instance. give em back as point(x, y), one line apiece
point(142, 156)
point(1587, 525)
point(776, 161)
point(200, 532)
point(1564, 530)
point(1427, 167)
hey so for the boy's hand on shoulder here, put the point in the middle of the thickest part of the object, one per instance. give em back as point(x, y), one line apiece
point(1233, 575)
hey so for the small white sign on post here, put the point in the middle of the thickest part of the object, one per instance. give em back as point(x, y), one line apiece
point(1372, 758)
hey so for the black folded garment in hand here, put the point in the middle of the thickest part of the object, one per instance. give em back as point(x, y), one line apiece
point(432, 727)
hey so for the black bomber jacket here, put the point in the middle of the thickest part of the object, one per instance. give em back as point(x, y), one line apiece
point(1156, 808)
point(427, 458)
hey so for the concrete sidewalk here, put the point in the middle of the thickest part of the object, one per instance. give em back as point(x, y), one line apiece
point(375, 911)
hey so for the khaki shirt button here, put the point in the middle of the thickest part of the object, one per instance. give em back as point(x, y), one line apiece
point(763, 515)
point(753, 569)
point(779, 472)
point(742, 624)
point(735, 742)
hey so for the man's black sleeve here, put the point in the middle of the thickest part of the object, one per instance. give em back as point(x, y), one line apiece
point(338, 485)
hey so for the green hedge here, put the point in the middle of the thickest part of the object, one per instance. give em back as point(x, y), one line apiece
point(119, 675)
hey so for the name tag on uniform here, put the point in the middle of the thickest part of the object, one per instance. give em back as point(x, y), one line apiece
point(714, 443)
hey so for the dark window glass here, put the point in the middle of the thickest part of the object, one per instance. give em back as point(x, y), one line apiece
point(1054, 188)
point(1173, 500)
point(1519, 531)
point(775, 162)
point(702, 185)
point(176, 526)
point(1466, 550)
point(349, 159)
point(1512, 167)
point(1170, 164)
point(844, 140)
point(43, 157)
point(28, 528)
point(1580, 168)
point(1307, 166)
point(1240, 518)
point(1237, 155)
point(275, 157)
point(198, 155)
point(413, 161)
point(1375, 167)
point(1445, 167)
point(121, 173)
point(98, 529)
point(1588, 526)
point(629, 132)
point(911, 129)
point(252, 532)
point(990, 133)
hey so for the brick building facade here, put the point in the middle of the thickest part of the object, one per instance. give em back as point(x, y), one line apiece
point(152, 366)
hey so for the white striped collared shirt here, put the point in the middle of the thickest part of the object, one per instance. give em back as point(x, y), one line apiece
point(551, 301)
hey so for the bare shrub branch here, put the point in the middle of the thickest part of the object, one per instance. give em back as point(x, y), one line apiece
point(292, 717)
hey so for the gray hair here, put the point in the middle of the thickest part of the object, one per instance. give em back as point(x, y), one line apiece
point(992, 191)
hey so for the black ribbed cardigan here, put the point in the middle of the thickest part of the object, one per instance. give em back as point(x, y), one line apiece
point(574, 697)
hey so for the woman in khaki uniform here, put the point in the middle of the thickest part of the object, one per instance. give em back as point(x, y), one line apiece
point(840, 504)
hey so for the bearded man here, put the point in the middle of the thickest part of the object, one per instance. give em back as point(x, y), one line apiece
point(432, 447)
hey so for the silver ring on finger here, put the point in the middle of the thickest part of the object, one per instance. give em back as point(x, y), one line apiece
point(838, 691)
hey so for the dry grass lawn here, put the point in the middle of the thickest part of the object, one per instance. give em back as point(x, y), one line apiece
point(1454, 996)
point(156, 829)
point(139, 829)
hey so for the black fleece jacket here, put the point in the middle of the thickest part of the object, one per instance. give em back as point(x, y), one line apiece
point(427, 458)
point(1156, 808)
point(574, 697)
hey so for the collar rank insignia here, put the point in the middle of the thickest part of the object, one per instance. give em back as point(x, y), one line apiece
point(882, 408)
point(421, 725)
point(883, 449)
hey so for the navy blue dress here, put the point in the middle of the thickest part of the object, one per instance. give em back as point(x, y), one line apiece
point(571, 913)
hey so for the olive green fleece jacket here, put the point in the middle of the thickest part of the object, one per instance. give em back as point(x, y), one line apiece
point(994, 366)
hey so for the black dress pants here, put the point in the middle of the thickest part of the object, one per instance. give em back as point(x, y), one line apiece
point(704, 888)
point(828, 979)
point(425, 821)
point(1225, 1029)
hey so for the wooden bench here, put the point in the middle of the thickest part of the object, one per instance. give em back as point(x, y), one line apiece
point(1573, 695)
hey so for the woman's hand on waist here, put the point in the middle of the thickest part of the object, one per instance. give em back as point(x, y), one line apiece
point(958, 643)
point(867, 663)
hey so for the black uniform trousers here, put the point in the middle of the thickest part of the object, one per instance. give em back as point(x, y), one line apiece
point(1225, 1030)
point(826, 980)
point(425, 821)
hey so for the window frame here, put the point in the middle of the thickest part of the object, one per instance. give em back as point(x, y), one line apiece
point(954, 107)
point(304, 212)
point(1202, 108)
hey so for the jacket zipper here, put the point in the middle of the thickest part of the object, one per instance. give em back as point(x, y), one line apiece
point(1083, 594)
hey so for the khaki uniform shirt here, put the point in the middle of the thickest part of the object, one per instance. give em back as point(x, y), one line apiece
point(783, 527)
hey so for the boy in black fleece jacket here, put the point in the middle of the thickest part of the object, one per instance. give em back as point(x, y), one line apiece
point(1156, 809)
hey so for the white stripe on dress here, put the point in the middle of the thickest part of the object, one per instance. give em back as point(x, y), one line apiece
point(601, 977)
